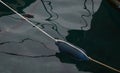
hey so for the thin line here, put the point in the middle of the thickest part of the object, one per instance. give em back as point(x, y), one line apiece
point(92, 6)
point(82, 16)
point(107, 66)
point(46, 10)
point(59, 40)
point(31, 56)
point(28, 20)
point(51, 10)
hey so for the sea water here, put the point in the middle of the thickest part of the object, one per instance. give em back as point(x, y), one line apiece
point(89, 24)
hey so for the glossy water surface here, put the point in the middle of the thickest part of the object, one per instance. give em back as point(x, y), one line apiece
point(23, 49)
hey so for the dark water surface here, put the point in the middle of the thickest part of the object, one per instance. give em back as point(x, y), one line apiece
point(23, 49)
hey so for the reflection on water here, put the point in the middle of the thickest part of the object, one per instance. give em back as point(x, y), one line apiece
point(65, 20)
point(102, 41)
point(18, 5)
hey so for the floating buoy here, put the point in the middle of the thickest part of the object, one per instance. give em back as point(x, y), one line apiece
point(65, 46)
point(72, 50)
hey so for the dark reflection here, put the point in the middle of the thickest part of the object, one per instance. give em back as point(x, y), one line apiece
point(65, 58)
point(51, 18)
point(101, 41)
point(18, 5)
point(49, 9)
point(86, 66)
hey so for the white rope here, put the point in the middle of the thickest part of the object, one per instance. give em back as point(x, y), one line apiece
point(109, 67)
point(28, 21)
point(58, 40)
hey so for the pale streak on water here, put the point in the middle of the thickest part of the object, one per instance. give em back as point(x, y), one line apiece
point(55, 17)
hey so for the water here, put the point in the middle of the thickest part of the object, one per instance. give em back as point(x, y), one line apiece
point(97, 34)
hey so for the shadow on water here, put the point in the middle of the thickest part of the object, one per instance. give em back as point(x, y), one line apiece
point(86, 66)
point(101, 41)
point(18, 5)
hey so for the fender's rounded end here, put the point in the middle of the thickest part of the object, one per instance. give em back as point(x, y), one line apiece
point(65, 47)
